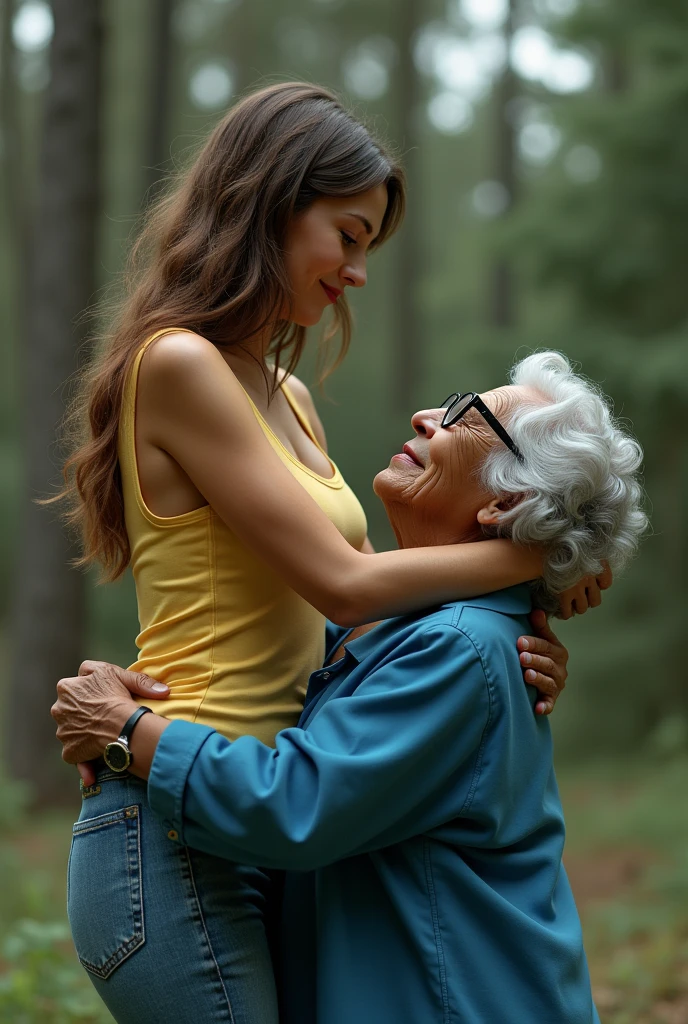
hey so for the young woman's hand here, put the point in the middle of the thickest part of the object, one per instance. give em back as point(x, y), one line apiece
point(587, 593)
point(543, 658)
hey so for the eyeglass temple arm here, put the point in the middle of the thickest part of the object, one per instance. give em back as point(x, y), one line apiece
point(499, 430)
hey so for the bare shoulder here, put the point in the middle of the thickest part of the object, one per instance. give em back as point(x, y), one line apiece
point(174, 355)
point(184, 379)
point(299, 390)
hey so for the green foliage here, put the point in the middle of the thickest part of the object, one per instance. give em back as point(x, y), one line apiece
point(617, 242)
point(41, 980)
point(623, 822)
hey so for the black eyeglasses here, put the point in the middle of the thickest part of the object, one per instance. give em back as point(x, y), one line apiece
point(458, 405)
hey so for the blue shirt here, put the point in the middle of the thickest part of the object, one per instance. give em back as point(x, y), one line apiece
point(418, 814)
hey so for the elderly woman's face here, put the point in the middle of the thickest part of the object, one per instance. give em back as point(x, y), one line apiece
point(432, 490)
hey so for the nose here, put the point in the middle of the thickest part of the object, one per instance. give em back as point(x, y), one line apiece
point(426, 422)
point(355, 274)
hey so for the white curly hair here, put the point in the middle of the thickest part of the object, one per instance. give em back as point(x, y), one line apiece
point(577, 490)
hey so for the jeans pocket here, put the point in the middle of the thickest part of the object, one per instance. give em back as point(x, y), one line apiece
point(105, 899)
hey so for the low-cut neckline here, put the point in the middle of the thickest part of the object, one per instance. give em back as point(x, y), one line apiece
point(300, 419)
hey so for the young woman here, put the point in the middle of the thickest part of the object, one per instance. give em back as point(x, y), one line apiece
point(204, 467)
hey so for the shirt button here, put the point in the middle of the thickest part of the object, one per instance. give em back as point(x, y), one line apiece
point(326, 675)
point(173, 834)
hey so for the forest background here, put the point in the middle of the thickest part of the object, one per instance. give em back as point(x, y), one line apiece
point(546, 144)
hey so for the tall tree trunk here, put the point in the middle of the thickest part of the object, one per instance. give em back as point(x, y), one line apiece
point(501, 302)
point(157, 136)
point(50, 612)
point(13, 181)
point(407, 344)
point(616, 70)
point(247, 43)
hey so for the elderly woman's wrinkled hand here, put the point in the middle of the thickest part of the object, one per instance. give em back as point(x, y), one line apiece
point(543, 659)
point(91, 708)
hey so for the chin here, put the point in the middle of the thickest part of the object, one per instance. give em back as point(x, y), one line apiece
point(385, 484)
point(376, 481)
point(307, 319)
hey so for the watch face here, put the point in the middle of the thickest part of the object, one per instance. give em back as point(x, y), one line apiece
point(117, 757)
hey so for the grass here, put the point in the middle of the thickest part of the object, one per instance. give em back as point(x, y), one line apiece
point(40, 977)
point(627, 855)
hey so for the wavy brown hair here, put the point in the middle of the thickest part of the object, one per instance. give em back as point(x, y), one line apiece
point(210, 259)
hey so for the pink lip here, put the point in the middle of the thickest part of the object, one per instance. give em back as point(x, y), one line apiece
point(332, 293)
point(408, 450)
point(408, 457)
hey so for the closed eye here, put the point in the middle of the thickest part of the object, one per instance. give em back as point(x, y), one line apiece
point(347, 239)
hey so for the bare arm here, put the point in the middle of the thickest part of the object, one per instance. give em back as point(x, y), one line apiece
point(201, 417)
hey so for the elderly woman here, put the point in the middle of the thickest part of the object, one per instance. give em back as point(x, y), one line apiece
point(415, 807)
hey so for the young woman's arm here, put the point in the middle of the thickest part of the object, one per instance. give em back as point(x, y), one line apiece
point(199, 414)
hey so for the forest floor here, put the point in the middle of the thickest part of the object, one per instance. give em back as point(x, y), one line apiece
point(627, 857)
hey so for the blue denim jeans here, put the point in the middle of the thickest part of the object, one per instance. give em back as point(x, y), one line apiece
point(166, 933)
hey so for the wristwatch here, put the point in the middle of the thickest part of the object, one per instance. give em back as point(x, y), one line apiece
point(117, 755)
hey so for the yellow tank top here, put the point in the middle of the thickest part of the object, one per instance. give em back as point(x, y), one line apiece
point(233, 642)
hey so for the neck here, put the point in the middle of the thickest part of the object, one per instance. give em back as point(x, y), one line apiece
point(249, 361)
point(412, 533)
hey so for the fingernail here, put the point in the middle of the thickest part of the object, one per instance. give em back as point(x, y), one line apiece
point(524, 643)
point(527, 658)
point(159, 687)
point(530, 675)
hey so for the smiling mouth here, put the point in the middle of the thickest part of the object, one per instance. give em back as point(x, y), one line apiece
point(332, 293)
point(407, 450)
point(408, 455)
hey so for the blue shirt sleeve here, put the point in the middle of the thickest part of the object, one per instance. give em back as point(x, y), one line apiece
point(398, 757)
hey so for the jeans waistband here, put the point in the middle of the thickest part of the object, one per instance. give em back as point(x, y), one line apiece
point(105, 774)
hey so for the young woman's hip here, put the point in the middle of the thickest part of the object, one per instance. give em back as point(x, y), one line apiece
point(165, 932)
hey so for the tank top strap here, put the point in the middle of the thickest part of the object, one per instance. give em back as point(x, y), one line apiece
point(129, 397)
point(129, 400)
point(303, 420)
point(336, 479)
point(126, 447)
point(300, 414)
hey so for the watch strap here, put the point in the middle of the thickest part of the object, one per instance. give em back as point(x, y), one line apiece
point(128, 726)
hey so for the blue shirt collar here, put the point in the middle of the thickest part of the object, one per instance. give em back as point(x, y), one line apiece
point(512, 601)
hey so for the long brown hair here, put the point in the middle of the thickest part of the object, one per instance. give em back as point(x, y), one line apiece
point(210, 259)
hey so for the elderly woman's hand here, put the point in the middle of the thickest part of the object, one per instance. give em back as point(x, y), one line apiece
point(543, 659)
point(91, 708)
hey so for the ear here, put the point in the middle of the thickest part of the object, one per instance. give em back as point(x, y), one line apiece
point(490, 514)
